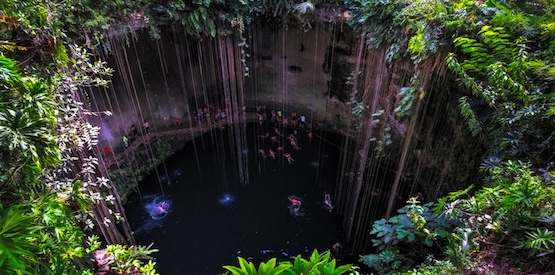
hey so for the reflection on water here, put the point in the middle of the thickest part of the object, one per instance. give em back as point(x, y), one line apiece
point(314, 164)
point(226, 200)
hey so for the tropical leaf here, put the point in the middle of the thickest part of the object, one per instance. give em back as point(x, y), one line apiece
point(245, 268)
point(17, 251)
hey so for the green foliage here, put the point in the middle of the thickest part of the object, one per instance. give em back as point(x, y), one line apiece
point(434, 267)
point(408, 96)
point(127, 260)
point(17, 251)
point(513, 205)
point(267, 268)
point(540, 242)
point(41, 237)
point(503, 62)
point(27, 119)
point(198, 18)
point(471, 119)
point(27, 138)
point(413, 27)
point(60, 239)
point(387, 261)
point(401, 241)
point(503, 56)
point(515, 211)
point(317, 263)
point(126, 179)
point(9, 75)
point(379, 17)
point(41, 123)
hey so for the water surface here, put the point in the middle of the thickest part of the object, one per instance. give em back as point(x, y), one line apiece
point(211, 220)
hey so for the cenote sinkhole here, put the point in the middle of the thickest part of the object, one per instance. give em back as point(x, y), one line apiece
point(211, 219)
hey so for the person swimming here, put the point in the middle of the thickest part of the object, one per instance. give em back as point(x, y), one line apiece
point(289, 158)
point(291, 137)
point(158, 208)
point(327, 202)
point(336, 249)
point(272, 154)
point(162, 208)
point(295, 203)
point(262, 153)
point(276, 130)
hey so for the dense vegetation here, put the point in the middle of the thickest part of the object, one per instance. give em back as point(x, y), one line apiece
point(55, 199)
point(317, 263)
point(502, 52)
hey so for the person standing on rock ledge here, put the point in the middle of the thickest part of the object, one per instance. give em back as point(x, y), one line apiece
point(146, 125)
point(134, 131)
point(107, 150)
point(125, 142)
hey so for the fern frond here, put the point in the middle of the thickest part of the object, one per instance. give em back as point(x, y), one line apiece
point(468, 81)
point(471, 119)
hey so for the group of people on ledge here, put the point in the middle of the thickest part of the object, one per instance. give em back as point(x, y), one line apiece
point(135, 134)
point(218, 115)
point(278, 118)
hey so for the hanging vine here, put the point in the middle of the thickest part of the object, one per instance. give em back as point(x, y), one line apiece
point(77, 140)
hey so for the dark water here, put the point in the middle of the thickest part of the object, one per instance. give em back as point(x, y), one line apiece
point(211, 220)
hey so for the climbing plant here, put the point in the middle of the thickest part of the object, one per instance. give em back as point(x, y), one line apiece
point(498, 62)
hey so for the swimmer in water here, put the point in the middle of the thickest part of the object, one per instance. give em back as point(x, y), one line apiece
point(291, 137)
point(272, 154)
point(276, 130)
point(295, 203)
point(289, 158)
point(336, 249)
point(162, 208)
point(262, 153)
point(327, 202)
